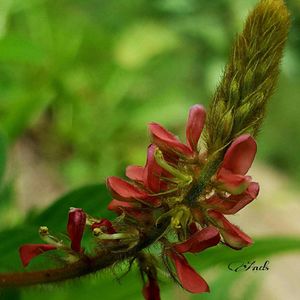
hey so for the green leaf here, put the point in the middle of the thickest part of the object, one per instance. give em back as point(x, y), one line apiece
point(2, 157)
point(220, 288)
point(10, 294)
point(11, 240)
point(251, 290)
point(102, 286)
point(25, 108)
point(92, 198)
point(17, 49)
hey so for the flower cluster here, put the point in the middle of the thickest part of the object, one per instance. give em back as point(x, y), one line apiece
point(178, 187)
point(75, 229)
point(166, 188)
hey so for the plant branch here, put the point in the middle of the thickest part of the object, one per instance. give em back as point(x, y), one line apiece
point(84, 266)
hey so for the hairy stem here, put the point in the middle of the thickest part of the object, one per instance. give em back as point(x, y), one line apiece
point(85, 266)
point(208, 171)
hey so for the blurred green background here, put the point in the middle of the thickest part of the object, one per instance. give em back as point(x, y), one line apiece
point(80, 80)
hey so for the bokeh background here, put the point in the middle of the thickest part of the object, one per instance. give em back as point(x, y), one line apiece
point(80, 80)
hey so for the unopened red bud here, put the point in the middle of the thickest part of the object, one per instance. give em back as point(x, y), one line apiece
point(75, 227)
point(151, 289)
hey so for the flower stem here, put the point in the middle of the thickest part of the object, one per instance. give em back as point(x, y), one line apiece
point(86, 265)
point(207, 172)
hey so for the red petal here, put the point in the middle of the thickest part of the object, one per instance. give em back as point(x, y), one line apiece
point(168, 142)
point(118, 206)
point(199, 241)
point(233, 203)
point(135, 173)
point(232, 235)
point(105, 225)
point(151, 290)
point(188, 277)
point(244, 199)
point(135, 210)
point(29, 251)
point(75, 227)
point(195, 125)
point(232, 183)
point(152, 171)
point(240, 155)
point(125, 191)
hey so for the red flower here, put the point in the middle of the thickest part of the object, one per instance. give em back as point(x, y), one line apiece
point(237, 161)
point(120, 206)
point(195, 125)
point(105, 226)
point(135, 173)
point(152, 171)
point(29, 251)
point(232, 235)
point(75, 227)
point(136, 210)
point(135, 199)
point(125, 191)
point(240, 191)
point(150, 175)
point(232, 204)
point(199, 241)
point(151, 289)
point(188, 277)
point(169, 143)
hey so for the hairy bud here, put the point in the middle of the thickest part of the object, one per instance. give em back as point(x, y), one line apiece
point(250, 76)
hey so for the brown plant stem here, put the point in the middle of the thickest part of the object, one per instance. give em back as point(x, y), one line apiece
point(211, 167)
point(86, 265)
